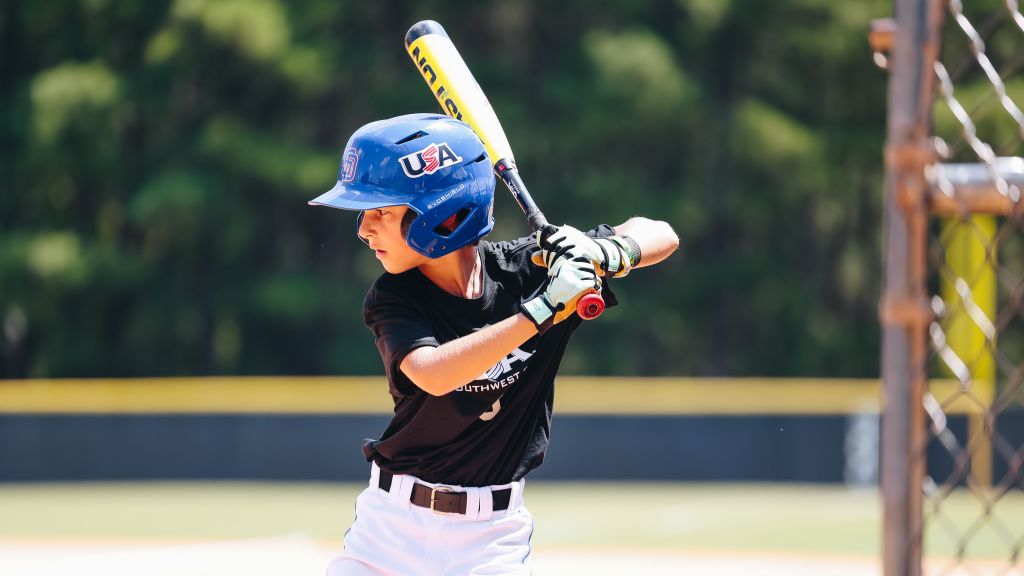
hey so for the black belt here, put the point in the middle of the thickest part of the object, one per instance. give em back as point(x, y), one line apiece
point(442, 498)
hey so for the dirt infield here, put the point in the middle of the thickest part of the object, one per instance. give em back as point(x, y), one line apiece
point(299, 555)
point(243, 528)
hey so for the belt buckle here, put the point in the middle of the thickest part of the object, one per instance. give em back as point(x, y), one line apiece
point(433, 498)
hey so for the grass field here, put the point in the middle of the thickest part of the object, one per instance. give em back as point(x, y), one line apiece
point(674, 524)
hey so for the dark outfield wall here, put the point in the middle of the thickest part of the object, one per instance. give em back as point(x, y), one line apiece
point(327, 447)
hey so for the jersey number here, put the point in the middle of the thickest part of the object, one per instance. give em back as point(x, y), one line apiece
point(490, 414)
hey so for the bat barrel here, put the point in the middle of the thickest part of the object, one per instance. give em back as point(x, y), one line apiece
point(422, 28)
point(460, 96)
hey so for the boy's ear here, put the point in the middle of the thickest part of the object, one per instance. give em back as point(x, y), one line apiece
point(407, 220)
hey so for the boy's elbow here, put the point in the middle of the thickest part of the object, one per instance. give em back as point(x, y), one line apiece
point(671, 237)
point(419, 373)
point(426, 382)
point(433, 386)
point(430, 385)
point(665, 235)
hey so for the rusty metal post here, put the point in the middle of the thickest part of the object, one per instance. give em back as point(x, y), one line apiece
point(904, 310)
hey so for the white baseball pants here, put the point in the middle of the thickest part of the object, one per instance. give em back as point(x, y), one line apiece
point(393, 537)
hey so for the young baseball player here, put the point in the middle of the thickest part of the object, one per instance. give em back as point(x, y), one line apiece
point(471, 334)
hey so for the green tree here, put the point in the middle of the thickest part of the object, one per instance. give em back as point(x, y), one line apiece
point(158, 158)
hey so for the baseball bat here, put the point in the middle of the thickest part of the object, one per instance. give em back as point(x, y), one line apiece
point(461, 97)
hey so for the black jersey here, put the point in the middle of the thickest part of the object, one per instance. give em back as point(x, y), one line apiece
point(495, 429)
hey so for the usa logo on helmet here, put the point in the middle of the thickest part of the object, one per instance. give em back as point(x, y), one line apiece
point(429, 160)
point(348, 165)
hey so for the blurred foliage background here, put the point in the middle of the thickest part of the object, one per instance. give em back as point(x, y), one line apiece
point(158, 156)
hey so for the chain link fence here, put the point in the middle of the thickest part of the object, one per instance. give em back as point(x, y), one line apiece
point(953, 311)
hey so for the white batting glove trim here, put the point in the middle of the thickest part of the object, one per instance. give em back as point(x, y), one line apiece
point(538, 311)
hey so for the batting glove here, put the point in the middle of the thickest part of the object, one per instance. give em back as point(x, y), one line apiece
point(613, 256)
point(573, 279)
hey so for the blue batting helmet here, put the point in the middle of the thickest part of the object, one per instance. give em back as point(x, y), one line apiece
point(431, 163)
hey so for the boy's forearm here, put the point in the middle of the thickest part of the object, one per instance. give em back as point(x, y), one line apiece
point(656, 239)
point(440, 370)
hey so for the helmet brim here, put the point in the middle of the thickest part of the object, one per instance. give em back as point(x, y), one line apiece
point(366, 198)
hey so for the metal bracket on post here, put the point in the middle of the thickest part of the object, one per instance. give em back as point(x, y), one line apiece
point(911, 158)
point(908, 313)
point(881, 33)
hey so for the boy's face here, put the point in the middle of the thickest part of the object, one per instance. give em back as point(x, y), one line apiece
point(382, 230)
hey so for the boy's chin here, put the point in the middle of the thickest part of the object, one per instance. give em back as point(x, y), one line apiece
point(398, 267)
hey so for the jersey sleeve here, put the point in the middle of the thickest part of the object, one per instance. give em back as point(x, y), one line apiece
point(398, 329)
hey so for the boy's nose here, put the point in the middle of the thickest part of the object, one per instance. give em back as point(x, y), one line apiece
point(364, 229)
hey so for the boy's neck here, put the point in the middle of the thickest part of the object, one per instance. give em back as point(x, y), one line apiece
point(459, 273)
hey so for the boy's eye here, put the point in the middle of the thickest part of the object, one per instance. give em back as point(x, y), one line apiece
point(383, 212)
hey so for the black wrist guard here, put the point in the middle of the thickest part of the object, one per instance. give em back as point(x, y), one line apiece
point(632, 250)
